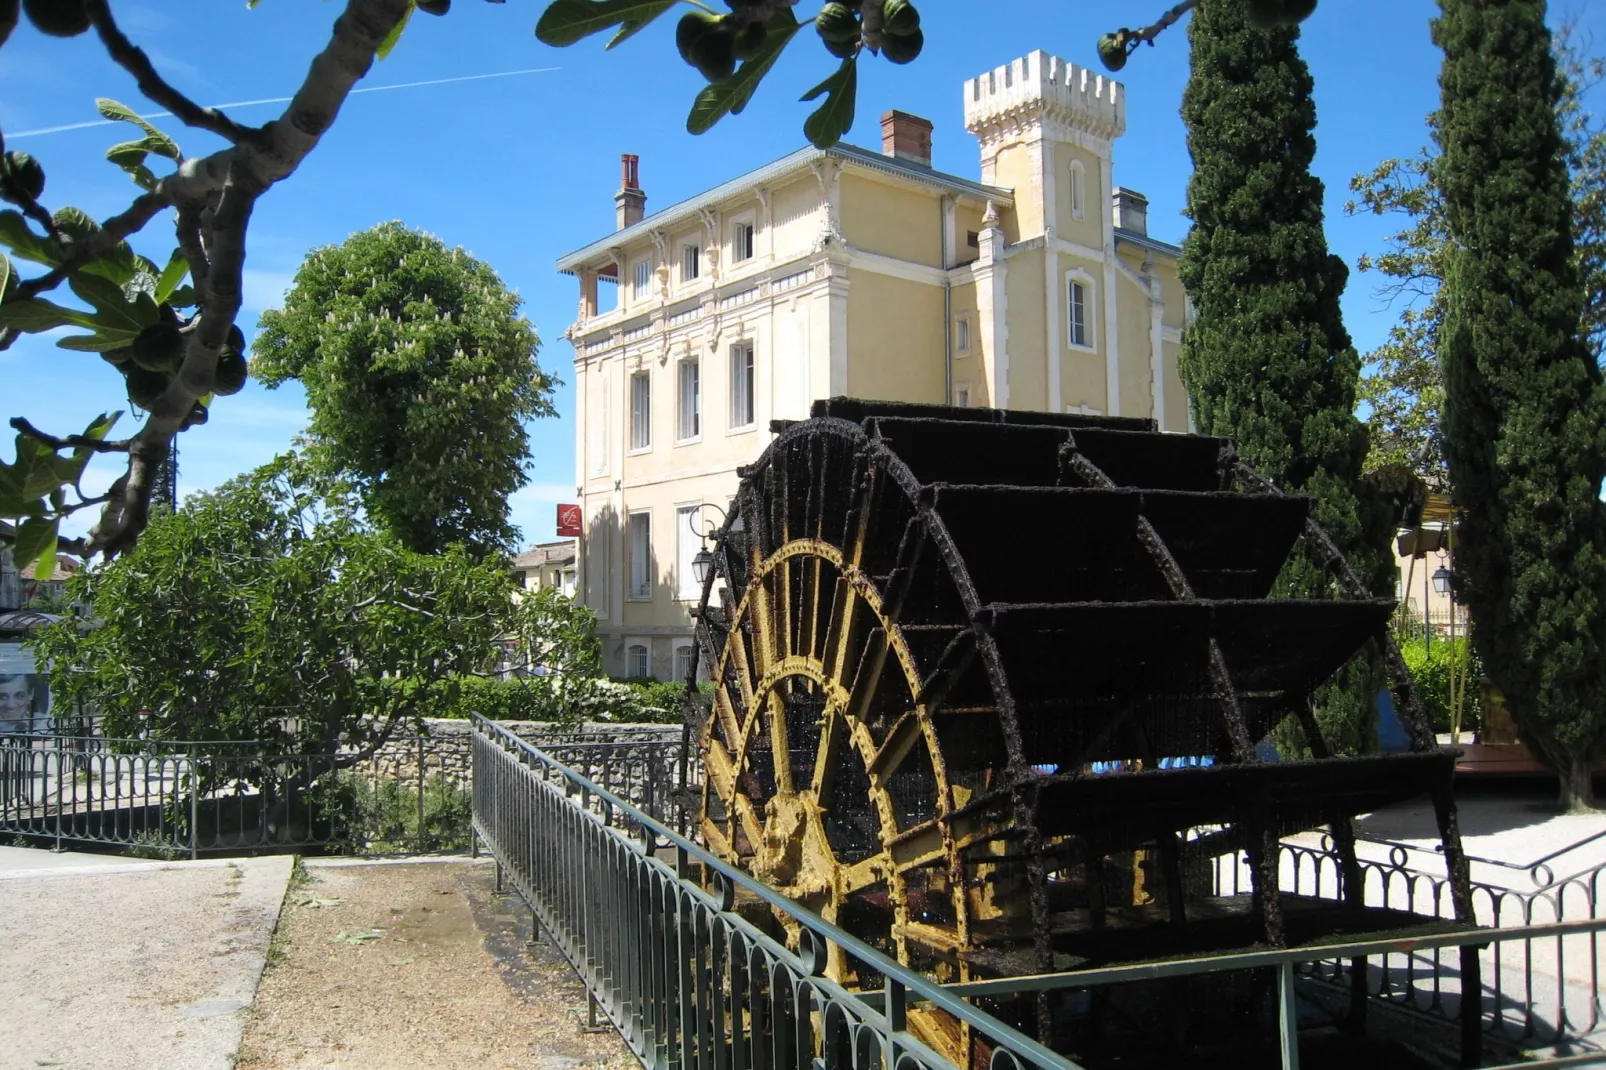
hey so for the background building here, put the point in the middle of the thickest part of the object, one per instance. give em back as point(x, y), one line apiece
point(547, 564)
point(851, 272)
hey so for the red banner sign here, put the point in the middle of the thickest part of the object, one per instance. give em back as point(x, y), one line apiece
point(569, 522)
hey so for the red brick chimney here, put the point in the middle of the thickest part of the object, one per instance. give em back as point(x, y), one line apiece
point(906, 137)
point(630, 202)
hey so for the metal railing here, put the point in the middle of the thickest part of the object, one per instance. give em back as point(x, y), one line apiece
point(186, 799)
point(685, 979)
point(1541, 989)
point(688, 981)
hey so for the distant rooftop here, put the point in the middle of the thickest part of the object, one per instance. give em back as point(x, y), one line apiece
point(560, 552)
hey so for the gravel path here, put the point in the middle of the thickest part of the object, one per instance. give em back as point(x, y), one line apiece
point(415, 966)
point(133, 967)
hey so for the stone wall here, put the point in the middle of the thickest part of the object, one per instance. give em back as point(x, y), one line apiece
point(446, 748)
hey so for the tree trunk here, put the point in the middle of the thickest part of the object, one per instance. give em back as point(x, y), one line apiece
point(1577, 785)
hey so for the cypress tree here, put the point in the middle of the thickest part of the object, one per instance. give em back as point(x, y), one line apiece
point(1523, 400)
point(1267, 361)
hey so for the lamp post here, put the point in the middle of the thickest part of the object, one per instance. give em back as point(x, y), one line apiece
point(703, 560)
point(1441, 584)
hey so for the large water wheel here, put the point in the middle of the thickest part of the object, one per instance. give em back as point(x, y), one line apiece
point(988, 688)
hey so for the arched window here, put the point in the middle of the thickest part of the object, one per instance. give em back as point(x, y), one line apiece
point(638, 661)
point(1078, 190)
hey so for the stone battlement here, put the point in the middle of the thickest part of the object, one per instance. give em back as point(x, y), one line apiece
point(1040, 87)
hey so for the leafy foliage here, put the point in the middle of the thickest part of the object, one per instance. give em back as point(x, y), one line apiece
point(1432, 667)
point(1524, 432)
point(266, 611)
point(735, 50)
point(1267, 362)
point(1404, 390)
point(420, 374)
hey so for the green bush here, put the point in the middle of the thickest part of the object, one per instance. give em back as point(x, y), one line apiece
point(381, 816)
point(568, 700)
point(1430, 666)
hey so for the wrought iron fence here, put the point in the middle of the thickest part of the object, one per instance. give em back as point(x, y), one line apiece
point(688, 981)
point(187, 799)
point(1539, 991)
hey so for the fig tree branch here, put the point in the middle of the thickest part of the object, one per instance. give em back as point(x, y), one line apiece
point(70, 442)
point(215, 196)
point(133, 59)
point(101, 243)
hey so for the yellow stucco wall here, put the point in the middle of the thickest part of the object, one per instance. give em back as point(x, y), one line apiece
point(891, 220)
point(895, 338)
point(1135, 334)
point(1088, 230)
point(1028, 340)
point(1016, 168)
point(970, 366)
point(795, 209)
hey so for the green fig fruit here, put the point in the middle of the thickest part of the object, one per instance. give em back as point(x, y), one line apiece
point(714, 53)
point(836, 24)
point(434, 7)
point(144, 386)
point(198, 415)
point(842, 49)
point(159, 348)
point(1297, 11)
point(232, 372)
point(23, 175)
point(690, 29)
point(117, 357)
point(57, 18)
point(1112, 52)
point(902, 48)
point(899, 18)
point(1265, 14)
point(750, 39)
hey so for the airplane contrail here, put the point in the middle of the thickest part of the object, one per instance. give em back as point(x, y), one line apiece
point(281, 100)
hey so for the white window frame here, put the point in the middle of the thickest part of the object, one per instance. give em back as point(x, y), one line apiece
point(747, 349)
point(639, 587)
point(688, 540)
point(962, 395)
point(963, 337)
point(641, 280)
point(1078, 180)
point(1089, 343)
point(631, 646)
point(749, 221)
point(680, 401)
point(640, 421)
point(691, 255)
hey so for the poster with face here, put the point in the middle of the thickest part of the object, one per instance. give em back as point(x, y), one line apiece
point(24, 693)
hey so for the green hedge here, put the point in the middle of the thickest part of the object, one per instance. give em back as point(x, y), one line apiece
point(567, 701)
point(1430, 666)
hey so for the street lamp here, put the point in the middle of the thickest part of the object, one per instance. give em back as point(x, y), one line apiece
point(1441, 580)
point(702, 561)
point(700, 564)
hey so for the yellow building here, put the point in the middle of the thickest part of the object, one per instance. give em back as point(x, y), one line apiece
point(860, 273)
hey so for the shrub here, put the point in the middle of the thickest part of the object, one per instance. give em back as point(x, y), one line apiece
point(1431, 666)
point(382, 815)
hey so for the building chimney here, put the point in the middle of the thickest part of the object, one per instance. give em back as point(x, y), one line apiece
point(630, 202)
point(906, 137)
point(1131, 210)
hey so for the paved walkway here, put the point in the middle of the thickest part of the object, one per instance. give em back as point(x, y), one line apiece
point(127, 965)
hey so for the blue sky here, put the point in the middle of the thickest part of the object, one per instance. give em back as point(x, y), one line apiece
point(521, 169)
